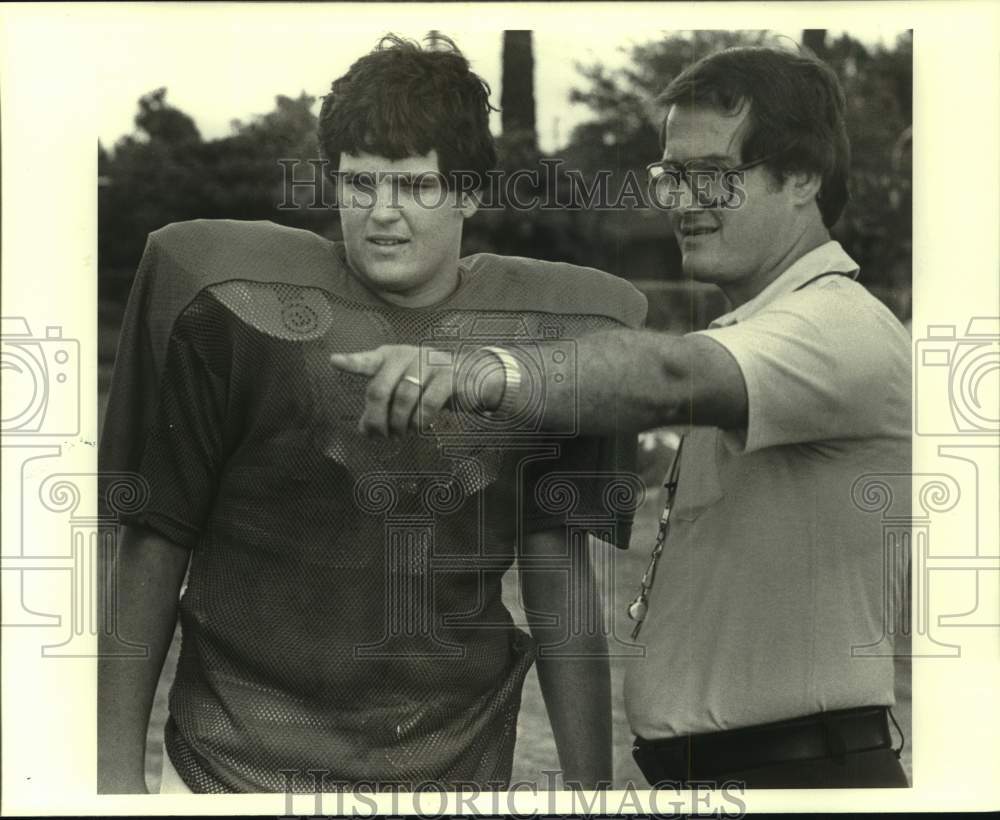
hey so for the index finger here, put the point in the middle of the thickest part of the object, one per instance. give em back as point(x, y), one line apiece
point(366, 363)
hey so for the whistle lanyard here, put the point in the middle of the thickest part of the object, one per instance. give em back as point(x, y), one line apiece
point(640, 605)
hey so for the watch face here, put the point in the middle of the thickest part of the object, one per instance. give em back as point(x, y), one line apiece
point(479, 383)
point(512, 380)
point(512, 377)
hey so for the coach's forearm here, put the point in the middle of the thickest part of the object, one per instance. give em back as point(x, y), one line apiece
point(632, 380)
point(626, 379)
point(149, 571)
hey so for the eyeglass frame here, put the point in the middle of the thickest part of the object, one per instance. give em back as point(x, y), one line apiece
point(681, 169)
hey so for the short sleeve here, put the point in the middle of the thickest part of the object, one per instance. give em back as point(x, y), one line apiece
point(134, 382)
point(824, 363)
point(591, 484)
point(184, 448)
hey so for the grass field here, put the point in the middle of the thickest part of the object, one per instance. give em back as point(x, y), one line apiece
point(536, 751)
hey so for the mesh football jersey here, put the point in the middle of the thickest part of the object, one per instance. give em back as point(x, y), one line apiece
point(343, 607)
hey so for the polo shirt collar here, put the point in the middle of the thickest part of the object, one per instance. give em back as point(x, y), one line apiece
point(829, 257)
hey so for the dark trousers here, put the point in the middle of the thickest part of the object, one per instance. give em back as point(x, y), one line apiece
point(878, 769)
point(836, 750)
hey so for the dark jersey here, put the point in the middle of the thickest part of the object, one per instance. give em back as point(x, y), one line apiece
point(343, 608)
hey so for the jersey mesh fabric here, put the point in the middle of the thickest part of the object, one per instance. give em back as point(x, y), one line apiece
point(343, 607)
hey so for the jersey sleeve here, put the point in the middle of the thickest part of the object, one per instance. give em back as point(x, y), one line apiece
point(589, 483)
point(824, 363)
point(184, 446)
point(132, 393)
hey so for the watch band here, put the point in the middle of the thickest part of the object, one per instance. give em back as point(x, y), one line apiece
point(512, 381)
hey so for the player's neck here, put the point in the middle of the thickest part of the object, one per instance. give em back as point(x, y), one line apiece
point(427, 294)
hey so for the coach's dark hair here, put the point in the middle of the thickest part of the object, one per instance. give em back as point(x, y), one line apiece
point(796, 112)
point(403, 100)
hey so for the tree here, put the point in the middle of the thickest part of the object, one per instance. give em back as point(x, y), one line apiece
point(151, 177)
point(163, 123)
point(165, 172)
point(517, 95)
point(876, 228)
point(814, 39)
point(624, 133)
point(512, 230)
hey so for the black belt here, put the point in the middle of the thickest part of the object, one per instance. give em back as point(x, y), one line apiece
point(706, 756)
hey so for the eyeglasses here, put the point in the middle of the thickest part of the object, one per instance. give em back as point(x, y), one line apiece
point(711, 185)
point(640, 605)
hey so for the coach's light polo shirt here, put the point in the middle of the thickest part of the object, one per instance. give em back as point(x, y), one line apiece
point(771, 573)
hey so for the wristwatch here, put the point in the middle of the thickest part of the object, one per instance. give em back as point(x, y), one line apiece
point(512, 381)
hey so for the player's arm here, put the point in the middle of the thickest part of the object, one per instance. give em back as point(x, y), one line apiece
point(148, 572)
point(621, 379)
point(572, 663)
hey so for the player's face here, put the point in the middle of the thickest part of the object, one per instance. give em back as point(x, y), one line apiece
point(402, 228)
point(739, 249)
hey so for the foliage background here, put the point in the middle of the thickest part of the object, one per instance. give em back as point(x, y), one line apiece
point(166, 172)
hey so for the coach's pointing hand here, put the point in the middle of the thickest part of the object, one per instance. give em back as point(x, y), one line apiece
point(405, 391)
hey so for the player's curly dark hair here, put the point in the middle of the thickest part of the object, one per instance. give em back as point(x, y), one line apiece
point(796, 112)
point(404, 100)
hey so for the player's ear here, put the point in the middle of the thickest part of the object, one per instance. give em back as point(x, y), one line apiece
point(467, 204)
